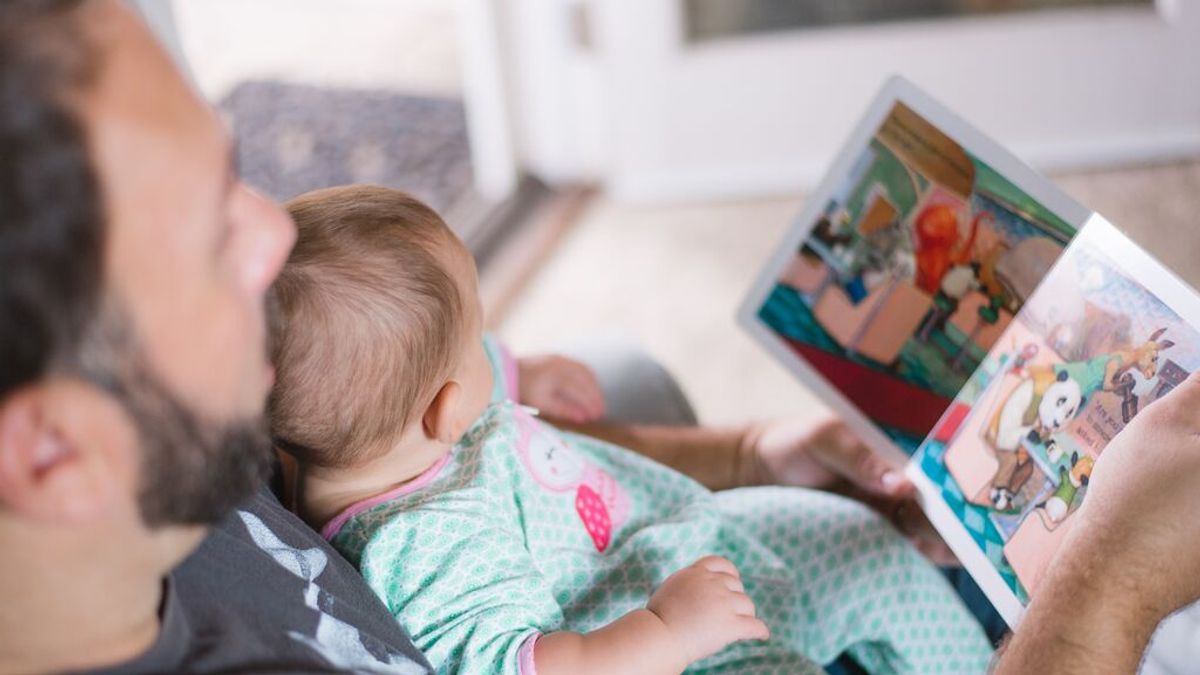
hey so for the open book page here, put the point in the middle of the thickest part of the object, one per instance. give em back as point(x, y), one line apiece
point(1106, 333)
point(913, 259)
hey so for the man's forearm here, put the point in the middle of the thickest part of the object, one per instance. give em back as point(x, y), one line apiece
point(719, 459)
point(1082, 620)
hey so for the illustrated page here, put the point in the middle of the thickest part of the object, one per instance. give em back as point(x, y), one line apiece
point(1105, 334)
point(912, 271)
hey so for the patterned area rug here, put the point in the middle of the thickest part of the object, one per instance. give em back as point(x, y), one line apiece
point(296, 138)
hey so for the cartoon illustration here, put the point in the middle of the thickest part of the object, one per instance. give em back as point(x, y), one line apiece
point(1015, 452)
point(1051, 396)
point(956, 284)
point(1069, 494)
point(913, 269)
point(938, 248)
point(1054, 451)
point(599, 500)
point(553, 464)
point(1016, 468)
point(1041, 405)
point(1132, 373)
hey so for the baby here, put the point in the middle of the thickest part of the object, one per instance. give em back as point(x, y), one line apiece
point(502, 544)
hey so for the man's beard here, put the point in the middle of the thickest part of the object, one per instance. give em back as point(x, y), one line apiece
point(194, 470)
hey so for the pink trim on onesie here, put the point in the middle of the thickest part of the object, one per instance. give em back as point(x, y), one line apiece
point(509, 363)
point(525, 662)
point(332, 527)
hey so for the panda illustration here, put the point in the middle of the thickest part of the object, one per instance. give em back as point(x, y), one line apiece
point(1042, 404)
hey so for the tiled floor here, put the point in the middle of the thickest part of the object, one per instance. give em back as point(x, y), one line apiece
point(671, 278)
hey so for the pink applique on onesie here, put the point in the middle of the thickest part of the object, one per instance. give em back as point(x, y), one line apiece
point(599, 500)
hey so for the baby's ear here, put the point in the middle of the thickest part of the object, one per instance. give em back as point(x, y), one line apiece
point(441, 420)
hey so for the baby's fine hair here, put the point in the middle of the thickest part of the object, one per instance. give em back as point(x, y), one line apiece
point(368, 323)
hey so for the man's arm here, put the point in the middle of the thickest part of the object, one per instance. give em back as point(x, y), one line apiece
point(814, 452)
point(718, 459)
point(1082, 620)
point(1131, 557)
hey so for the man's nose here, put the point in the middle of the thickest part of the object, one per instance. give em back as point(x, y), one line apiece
point(271, 235)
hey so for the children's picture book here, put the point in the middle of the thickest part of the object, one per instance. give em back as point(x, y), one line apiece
point(971, 321)
point(1106, 333)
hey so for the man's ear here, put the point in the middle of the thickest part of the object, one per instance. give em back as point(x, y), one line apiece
point(44, 475)
point(441, 419)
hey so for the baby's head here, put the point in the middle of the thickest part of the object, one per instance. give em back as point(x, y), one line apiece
point(378, 342)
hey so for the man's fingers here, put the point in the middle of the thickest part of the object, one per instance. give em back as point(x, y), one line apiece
point(882, 477)
point(911, 521)
point(878, 475)
point(856, 461)
point(935, 550)
point(893, 482)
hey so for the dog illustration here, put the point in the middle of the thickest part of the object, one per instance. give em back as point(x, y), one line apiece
point(1016, 468)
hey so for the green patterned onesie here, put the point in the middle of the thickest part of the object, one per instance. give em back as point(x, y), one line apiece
point(524, 530)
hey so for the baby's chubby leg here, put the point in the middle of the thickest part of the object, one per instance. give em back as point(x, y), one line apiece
point(855, 584)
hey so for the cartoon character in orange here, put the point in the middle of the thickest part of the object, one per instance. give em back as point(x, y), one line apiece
point(937, 244)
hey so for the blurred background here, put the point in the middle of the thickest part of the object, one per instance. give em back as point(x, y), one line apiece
point(625, 167)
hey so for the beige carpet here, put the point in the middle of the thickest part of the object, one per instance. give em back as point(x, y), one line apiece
point(672, 277)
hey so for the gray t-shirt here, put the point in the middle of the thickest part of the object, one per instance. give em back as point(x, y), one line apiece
point(264, 593)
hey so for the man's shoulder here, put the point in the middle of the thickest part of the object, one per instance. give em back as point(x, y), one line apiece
point(264, 587)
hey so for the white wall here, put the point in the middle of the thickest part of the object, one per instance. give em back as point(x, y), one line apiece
point(560, 111)
point(404, 45)
point(665, 120)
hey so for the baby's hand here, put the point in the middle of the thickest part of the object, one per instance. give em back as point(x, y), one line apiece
point(706, 608)
point(560, 387)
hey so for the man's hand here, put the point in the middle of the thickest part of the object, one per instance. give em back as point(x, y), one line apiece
point(826, 454)
point(1133, 553)
point(818, 454)
point(1142, 510)
point(705, 607)
point(560, 388)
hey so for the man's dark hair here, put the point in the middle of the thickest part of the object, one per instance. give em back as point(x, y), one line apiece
point(55, 313)
point(51, 216)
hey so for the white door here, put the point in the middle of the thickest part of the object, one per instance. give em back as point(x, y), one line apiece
point(711, 114)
